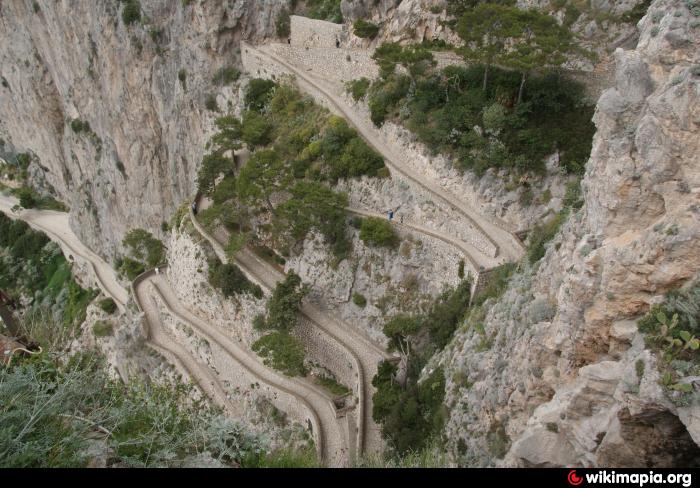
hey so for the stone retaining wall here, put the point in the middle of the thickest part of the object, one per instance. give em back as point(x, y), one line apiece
point(306, 32)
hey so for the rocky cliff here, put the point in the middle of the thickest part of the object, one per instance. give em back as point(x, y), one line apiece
point(559, 373)
point(142, 88)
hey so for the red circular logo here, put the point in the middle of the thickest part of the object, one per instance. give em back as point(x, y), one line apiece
point(573, 478)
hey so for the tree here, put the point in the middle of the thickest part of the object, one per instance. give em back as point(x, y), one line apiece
point(485, 30)
point(378, 232)
point(543, 44)
point(228, 138)
point(263, 174)
point(256, 129)
point(283, 23)
point(365, 30)
point(282, 352)
point(144, 247)
point(284, 304)
point(213, 165)
point(258, 94)
point(314, 205)
point(400, 330)
point(415, 58)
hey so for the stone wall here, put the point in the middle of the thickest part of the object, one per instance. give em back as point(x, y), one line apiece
point(313, 33)
point(331, 63)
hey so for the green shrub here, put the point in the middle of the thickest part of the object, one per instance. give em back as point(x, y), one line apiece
point(359, 300)
point(210, 102)
point(144, 247)
point(131, 11)
point(460, 269)
point(284, 305)
point(231, 280)
point(108, 305)
point(283, 23)
point(378, 233)
point(365, 30)
point(139, 424)
point(541, 234)
point(131, 268)
point(258, 94)
point(325, 10)
point(358, 88)
point(182, 76)
point(256, 129)
point(226, 75)
point(282, 352)
point(332, 385)
point(283, 458)
point(102, 328)
point(79, 126)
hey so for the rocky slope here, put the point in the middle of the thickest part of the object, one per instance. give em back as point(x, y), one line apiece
point(552, 378)
point(141, 88)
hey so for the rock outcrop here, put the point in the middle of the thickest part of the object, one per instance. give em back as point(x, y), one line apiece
point(142, 88)
point(560, 375)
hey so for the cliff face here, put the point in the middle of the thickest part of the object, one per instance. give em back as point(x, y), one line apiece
point(556, 377)
point(141, 88)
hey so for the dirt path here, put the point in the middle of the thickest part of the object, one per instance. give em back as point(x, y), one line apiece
point(507, 244)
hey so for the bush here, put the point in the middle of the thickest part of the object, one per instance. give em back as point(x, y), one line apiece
point(256, 130)
point(365, 30)
point(226, 76)
point(26, 198)
point(144, 247)
point(102, 328)
point(282, 352)
point(258, 94)
point(182, 76)
point(283, 23)
point(79, 126)
point(358, 88)
point(231, 280)
point(359, 300)
point(378, 232)
point(285, 304)
point(210, 102)
point(148, 425)
point(541, 234)
point(131, 11)
point(108, 305)
point(325, 10)
point(131, 268)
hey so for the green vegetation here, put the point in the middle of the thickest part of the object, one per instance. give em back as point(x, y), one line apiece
point(226, 75)
point(332, 385)
point(542, 233)
point(278, 348)
point(412, 413)
point(283, 458)
point(107, 305)
point(378, 232)
point(79, 126)
point(325, 10)
point(182, 76)
point(230, 280)
point(444, 108)
point(102, 328)
point(143, 252)
point(509, 109)
point(359, 300)
point(358, 88)
point(33, 267)
point(210, 102)
point(131, 11)
point(672, 330)
point(141, 425)
point(409, 415)
point(365, 30)
point(283, 23)
point(298, 148)
point(282, 352)
point(28, 198)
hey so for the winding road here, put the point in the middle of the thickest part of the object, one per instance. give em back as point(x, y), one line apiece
point(365, 353)
point(506, 243)
point(330, 440)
